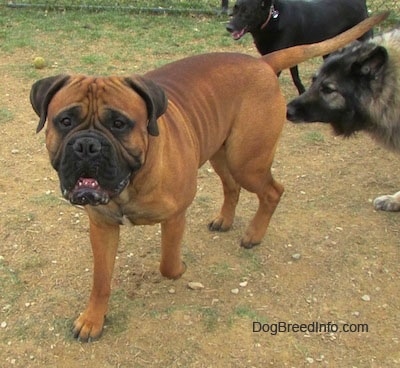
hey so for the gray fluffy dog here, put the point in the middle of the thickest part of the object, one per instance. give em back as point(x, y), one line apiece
point(358, 88)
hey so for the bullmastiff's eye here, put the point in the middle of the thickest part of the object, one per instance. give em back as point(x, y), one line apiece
point(118, 125)
point(67, 119)
point(65, 122)
point(116, 122)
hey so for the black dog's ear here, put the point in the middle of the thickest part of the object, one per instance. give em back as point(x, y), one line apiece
point(155, 98)
point(372, 64)
point(42, 92)
point(266, 4)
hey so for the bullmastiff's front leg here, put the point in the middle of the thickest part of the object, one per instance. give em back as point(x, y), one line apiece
point(104, 239)
point(172, 230)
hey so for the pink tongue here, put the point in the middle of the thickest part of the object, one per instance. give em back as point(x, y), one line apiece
point(237, 35)
point(87, 183)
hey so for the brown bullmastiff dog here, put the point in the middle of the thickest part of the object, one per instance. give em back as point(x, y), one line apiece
point(129, 148)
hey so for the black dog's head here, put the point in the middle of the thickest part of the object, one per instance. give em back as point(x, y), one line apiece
point(342, 91)
point(97, 131)
point(248, 16)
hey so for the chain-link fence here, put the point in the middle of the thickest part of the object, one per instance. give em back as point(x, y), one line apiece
point(178, 6)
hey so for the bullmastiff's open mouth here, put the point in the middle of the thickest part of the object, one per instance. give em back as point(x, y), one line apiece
point(88, 191)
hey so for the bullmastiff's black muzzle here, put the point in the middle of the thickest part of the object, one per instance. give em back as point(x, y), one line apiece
point(91, 170)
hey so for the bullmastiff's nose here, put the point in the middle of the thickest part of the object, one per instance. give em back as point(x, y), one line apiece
point(87, 147)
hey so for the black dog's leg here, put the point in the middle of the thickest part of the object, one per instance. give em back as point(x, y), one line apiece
point(224, 6)
point(296, 79)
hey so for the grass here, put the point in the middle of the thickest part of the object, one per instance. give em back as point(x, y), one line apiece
point(210, 317)
point(246, 312)
point(5, 115)
point(46, 199)
point(95, 59)
point(251, 261)
point(223, 270)
point(11, 285)
point(314, 137)
point(106, 41)
point(98, 5)
point(155, 6)
point(93, 39)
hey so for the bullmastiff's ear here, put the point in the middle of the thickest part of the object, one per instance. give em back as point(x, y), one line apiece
point(42, 92)
point(155, 98)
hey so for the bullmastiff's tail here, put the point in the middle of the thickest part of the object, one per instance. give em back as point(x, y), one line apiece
point(287, 58)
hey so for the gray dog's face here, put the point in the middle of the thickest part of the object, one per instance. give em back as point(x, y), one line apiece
point(248, 16)
point(98, 131)
point(342, 89)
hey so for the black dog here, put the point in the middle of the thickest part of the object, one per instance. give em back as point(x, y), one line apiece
point(278, 24)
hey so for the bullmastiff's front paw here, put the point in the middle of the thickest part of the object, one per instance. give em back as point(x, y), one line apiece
point(220, 223)
point(248, 243)
point(388, 202)
point(172, 272)
point(88, 328)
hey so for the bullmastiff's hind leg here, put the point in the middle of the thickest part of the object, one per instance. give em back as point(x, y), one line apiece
point(269, 194)
point(231, 188)
point(254, 176)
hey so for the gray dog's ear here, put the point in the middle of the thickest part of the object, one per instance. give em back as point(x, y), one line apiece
point(372, 63)
point(42, 92)
point(155, 98)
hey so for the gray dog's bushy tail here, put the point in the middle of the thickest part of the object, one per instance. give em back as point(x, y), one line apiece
point(287, 58)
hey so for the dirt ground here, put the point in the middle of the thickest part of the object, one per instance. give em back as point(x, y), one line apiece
point(328, 257)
